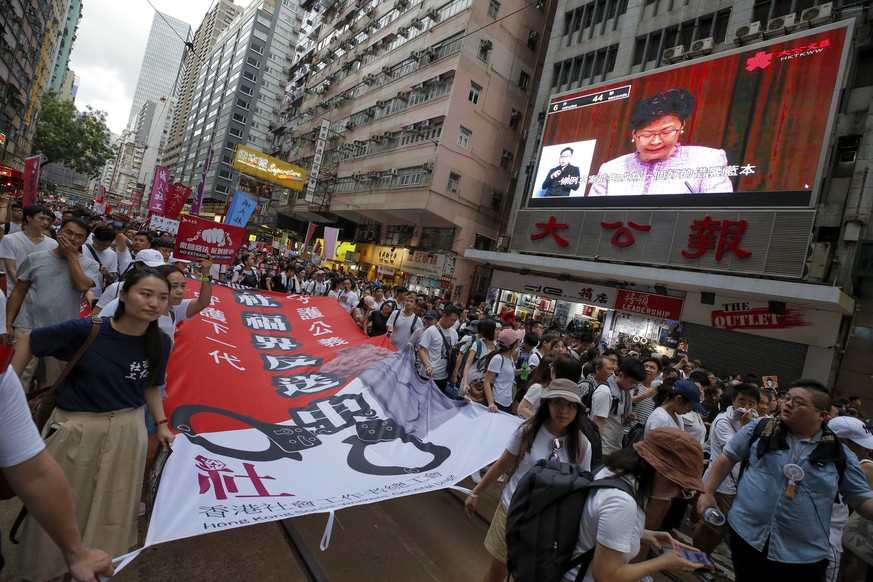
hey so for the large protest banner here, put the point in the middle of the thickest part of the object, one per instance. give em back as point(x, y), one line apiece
point(285, 408)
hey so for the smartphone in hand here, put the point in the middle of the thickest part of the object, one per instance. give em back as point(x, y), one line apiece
point(692, 556)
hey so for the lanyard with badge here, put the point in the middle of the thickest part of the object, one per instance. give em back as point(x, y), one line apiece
point(792, 471)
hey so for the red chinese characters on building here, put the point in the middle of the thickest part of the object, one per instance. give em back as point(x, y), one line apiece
point(551, 228)
point(623, 235)
point(721, 236)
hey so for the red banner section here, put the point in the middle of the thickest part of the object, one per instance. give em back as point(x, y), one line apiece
point(261, 354)
point(198, 238)
point(31, 180)
point(176, 199)
point(649, 304)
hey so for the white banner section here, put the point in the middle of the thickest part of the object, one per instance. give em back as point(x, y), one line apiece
point(361, 445)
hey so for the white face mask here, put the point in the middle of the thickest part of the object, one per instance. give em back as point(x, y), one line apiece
point(738, 412)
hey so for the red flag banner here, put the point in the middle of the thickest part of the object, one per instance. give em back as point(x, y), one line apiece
point(31, 180)
point(198, 238)
point(176, 198)
point(160, 186)
point(136, 197)
point(310, 232)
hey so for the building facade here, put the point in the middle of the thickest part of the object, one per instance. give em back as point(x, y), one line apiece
point(31, 33)
point(161, 63)
point(61, 74)
point(409, 116)
point(216, 20)
point(768, 277)
point(238, 88)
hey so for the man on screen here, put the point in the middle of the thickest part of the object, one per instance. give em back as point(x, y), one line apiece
point(563, 178)
point(660, 164)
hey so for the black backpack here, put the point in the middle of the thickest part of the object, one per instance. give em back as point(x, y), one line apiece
point(542, 525)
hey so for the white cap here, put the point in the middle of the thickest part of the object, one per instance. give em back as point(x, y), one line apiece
point(849, 428)
point(150, 257)
point(175, 259)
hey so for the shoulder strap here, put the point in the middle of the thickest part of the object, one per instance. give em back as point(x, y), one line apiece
point(414, 321)
point(6, 227)
point(94, 254)
point(96, 323)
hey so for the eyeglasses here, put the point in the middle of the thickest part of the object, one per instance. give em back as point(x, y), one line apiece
point(796, 402)
point(650, 135)
point(557, 446)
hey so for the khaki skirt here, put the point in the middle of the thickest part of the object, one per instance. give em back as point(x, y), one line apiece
point(103, 456)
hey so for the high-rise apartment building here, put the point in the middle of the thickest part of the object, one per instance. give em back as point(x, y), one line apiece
point(161, 63)
point(216, 20)
point(30, 32)
point(755, 262)
point(427, 103)
point(238, 87)
point(60, 70)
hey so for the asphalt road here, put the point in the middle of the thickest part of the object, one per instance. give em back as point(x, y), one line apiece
point(417, 538)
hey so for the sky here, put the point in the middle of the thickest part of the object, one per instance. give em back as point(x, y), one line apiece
point(109, 48)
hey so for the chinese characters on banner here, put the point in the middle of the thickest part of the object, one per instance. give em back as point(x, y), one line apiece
point(164, 224)
point(240, 209)
point(160, 185)
point(136, 197)
point(31, 179)
point(724, 237)
point(278, 400)
point(176, 197)
point(100, 205)
point(649, 304)
point(198, 238)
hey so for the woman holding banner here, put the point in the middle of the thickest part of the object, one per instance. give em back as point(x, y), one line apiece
point(96, 433)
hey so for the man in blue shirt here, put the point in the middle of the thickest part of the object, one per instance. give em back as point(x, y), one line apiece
point(779, 526)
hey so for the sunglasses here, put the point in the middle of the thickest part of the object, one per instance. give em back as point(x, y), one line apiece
point(557, 446)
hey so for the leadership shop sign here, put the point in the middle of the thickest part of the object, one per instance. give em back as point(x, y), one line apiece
point(284, 408)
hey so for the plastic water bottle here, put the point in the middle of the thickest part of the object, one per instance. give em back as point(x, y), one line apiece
point(524, 370)
point(714, 517)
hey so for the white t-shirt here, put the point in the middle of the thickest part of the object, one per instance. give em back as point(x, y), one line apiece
point(17, 246)
point(611, 518)
point(660, 418)
point(534, 359)
point(541, 449)
point(403, 327)
point(504, 370)
point(348, 299)
point(723, 429)
point(107, 258)
point(601, 402)
point(432, 341)
point(693, 424)
point(19, 439)
point(109, 294)
point(532, 396)
point(167, 323)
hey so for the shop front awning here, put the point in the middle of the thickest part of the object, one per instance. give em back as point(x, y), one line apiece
point(823, 297)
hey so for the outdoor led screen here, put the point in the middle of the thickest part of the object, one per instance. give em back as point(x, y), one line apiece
point(744, 128)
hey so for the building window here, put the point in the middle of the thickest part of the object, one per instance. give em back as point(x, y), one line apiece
point(523, 81)
point(464, 137)
point(454, 182)
point(493, 8)
point(473, 97)
point(514, 119)
point(505, 159)
point(485, 47)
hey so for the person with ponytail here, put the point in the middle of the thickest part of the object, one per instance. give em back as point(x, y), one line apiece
point(554, 432)
point(96, 432)
point(500, 374)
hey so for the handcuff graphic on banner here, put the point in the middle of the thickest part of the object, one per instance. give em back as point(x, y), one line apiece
point(326, 416)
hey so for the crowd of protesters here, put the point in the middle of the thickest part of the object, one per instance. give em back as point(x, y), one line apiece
point(673, 430)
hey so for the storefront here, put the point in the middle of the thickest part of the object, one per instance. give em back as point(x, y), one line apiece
point(644, 321)
point(567, 304)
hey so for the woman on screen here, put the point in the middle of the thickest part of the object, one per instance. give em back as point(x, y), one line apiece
point(660, 164)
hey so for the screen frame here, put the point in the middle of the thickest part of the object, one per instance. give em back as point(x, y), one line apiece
point(787, 199)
